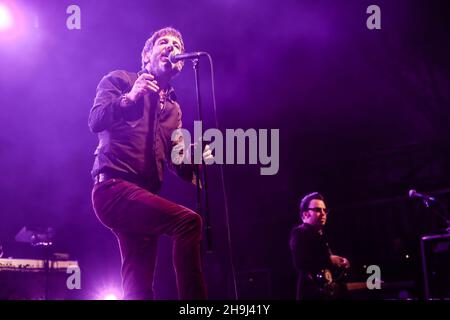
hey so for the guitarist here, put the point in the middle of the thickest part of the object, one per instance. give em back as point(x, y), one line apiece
point(311, 254)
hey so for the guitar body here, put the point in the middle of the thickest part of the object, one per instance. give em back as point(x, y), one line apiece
point(330, 284)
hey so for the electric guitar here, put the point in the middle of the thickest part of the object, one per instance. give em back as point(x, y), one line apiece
point(330, 282)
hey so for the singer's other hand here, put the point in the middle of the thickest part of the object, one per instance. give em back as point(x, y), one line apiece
point(144, 84)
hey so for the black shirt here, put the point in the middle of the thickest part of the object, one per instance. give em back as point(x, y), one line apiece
point(135, 141)
point(311, 254)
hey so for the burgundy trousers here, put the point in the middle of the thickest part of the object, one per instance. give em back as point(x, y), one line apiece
point(137, 217)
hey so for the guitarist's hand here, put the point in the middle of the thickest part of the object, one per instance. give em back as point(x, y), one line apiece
point(340, 262)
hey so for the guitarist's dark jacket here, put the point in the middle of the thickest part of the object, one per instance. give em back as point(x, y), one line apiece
point(311, 255)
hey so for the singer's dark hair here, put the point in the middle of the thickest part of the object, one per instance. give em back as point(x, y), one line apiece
point(155, 36)
point(304, 203)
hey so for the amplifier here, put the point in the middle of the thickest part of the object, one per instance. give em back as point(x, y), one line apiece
point(435, 252)
point(28, 279)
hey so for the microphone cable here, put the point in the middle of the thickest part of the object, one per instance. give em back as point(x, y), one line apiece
point(224, 193)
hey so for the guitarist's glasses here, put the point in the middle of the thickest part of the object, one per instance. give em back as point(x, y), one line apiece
point(317, 209)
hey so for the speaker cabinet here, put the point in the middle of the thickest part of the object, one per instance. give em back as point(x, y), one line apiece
point(435, 252)
point(26, 285)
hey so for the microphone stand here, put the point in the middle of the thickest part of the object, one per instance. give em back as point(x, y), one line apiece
point(202, 210)
point(441, 210)
point(44, 241)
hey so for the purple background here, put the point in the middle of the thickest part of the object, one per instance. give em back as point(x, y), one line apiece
point(363, 117)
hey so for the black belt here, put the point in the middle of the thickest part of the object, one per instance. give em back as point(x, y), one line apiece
point(104, 176)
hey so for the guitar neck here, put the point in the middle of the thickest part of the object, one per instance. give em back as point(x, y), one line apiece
point(352, 286)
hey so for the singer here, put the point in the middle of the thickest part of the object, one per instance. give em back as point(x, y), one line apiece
point(134, 115)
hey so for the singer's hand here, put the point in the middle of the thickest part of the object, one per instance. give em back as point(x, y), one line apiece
point(144, 84)
point(207, 155)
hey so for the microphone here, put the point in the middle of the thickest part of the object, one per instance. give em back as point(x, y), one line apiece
point(414, 194)
point(142, 72)
point(174, 58)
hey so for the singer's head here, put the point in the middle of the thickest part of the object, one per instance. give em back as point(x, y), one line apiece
point(158, 48)
point(313, 210)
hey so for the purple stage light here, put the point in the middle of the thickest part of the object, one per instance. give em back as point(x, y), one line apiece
point(13, 22)
point(6, 18)
point(110, 296)
point(110, 293)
